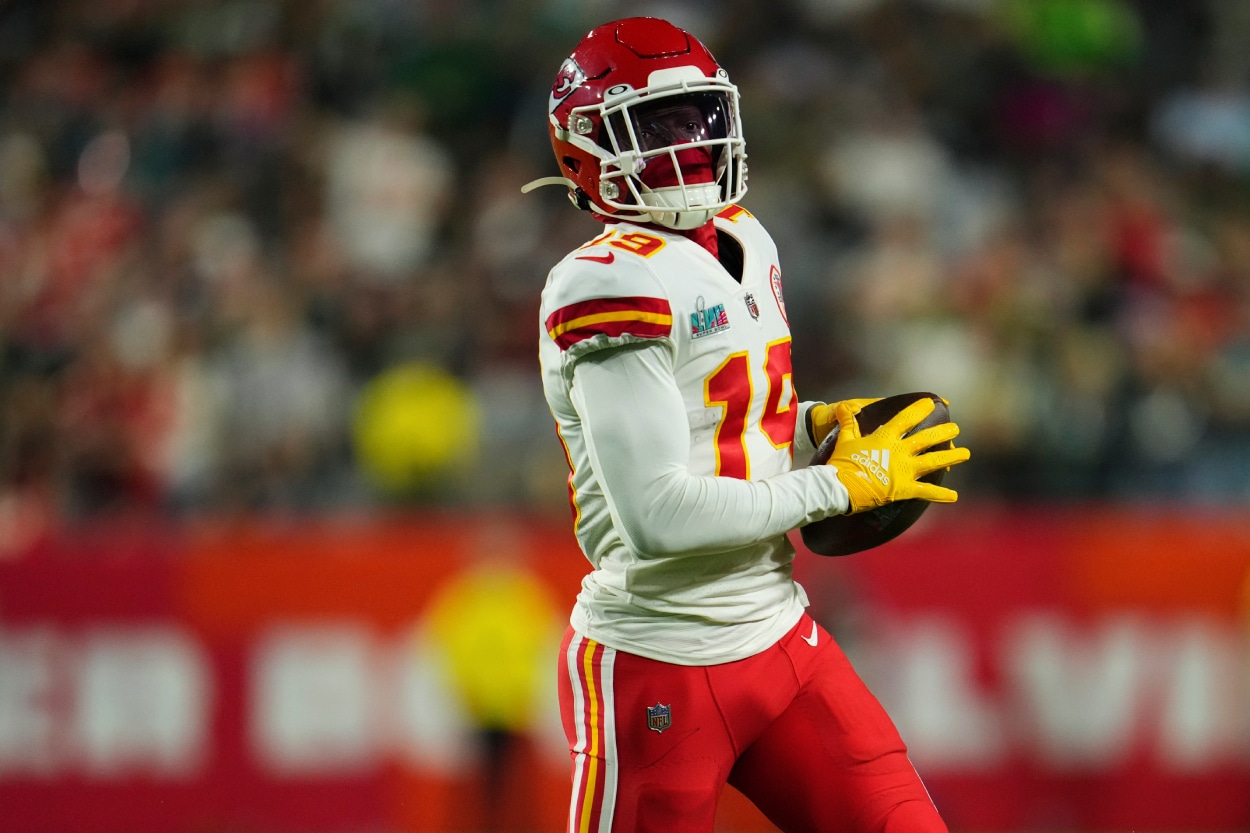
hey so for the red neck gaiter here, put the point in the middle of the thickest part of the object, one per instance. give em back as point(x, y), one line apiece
point(696, 168)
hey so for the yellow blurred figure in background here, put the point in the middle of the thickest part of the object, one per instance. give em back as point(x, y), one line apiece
point(413, 423)
point(496, 625)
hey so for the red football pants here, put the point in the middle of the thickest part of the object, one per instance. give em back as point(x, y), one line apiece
point(793, 728)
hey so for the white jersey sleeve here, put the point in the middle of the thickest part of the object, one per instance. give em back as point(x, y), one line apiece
point(804, 446)
point(669, 380)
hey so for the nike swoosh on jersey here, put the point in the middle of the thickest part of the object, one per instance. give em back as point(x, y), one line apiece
point(811, 640)
point(640, 317)
point(604, 258)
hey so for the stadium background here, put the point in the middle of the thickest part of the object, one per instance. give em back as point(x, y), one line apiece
point(275, 465)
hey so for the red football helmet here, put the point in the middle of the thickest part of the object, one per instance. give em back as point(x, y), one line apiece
point(645, 126)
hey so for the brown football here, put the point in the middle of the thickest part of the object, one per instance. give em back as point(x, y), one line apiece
point(846, 534)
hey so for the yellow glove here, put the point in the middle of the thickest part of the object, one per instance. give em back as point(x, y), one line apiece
point(886, 466)
point(823, 419)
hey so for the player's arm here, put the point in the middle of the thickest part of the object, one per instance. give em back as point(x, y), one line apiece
point(639, 443)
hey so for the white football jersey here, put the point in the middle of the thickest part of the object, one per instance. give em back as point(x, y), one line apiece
point(651, 350)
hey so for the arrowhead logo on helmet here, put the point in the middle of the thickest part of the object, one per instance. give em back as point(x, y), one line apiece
point(569, 78)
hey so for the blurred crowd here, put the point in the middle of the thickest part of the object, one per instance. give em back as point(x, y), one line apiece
point(271, 255)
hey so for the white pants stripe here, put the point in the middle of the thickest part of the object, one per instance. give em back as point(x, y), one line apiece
point(590, 667)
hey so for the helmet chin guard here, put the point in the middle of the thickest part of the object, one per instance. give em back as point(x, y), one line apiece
point(683, 202)
point(627, 111)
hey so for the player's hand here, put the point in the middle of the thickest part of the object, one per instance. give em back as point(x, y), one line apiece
point(824, 416)
point(886, 466)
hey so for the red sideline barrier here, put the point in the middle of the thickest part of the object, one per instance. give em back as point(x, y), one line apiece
point(1049, 669)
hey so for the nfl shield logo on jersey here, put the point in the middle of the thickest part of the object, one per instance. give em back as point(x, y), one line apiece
point(659, 717)
point(752, 307)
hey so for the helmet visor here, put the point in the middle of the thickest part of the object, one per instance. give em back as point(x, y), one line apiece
point(661, 121)
point(673, 139)
point(679, 120)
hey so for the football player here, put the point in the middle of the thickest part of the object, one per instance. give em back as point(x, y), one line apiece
point(690, 662)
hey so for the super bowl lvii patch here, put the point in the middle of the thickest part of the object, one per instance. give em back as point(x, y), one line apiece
point(705, 320)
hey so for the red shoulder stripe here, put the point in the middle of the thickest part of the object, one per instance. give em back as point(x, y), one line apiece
point(638, 316)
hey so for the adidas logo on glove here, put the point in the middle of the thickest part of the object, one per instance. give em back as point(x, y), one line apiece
point(877, 462)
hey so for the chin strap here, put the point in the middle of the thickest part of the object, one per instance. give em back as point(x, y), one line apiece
point(655, 214)
point(576, 195)
point(547, 180)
